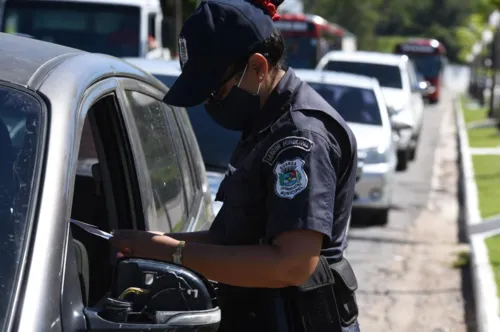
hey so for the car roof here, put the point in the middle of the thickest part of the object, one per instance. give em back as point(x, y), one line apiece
point(157, 66)
point(336, 78)
point(28, 62)
point(366, 57)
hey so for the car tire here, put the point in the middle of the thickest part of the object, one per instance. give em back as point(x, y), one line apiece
point(403, 159)
point(380, 217)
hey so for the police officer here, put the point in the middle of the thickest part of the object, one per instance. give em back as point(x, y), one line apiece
point(290, 184)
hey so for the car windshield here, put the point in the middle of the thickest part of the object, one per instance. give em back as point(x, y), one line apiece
point(354, 104)
point(427, 65)
point(20, 116)
point(216, 143)
point(92, 27)
point(388, 76)
point(300, 52)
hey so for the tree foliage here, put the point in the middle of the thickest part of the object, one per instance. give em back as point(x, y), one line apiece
point(378, 23)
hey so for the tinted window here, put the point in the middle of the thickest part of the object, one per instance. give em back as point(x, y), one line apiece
point(216, 143)
point(388, 76)
point(20, 131)
point(187, 176)
point(192, 144)
point(161, 159)
point(93, 27)
point(353, 104)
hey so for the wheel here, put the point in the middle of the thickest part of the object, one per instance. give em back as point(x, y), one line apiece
point(403, 158)
point(380, 217)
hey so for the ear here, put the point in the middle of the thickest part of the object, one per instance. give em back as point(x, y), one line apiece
point(259, 66)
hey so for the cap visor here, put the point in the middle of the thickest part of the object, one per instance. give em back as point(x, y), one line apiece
point(192, 88)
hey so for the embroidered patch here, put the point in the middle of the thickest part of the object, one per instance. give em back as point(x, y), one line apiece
point(291, 179)
point(284, 144)
point(183, 52)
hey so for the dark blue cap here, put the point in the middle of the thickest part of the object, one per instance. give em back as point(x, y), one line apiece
point(216, 35)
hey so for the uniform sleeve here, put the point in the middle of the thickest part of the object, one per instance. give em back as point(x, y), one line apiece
point(301, 176)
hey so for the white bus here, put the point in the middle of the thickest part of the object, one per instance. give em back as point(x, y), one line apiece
point(122, 28)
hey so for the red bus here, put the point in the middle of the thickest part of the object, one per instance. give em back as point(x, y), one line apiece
point(308, 38)
point(429, 56)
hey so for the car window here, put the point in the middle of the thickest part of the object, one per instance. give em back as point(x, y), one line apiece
point(388, 76)
point(216, 143)
point(161, 159)
point(353, 104)
point(191, 145)
point(185, 166)
point(20, 134)
point(90, 26)
point(412, 74)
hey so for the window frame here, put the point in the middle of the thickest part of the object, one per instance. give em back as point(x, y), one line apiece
point(96, 93)
point(128, 84)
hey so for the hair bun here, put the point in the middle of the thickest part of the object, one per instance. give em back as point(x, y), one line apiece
point(270, 7)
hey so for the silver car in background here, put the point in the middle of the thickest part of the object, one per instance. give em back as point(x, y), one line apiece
point(360, 101)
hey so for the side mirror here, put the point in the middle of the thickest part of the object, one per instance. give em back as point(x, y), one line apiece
point(148, 295)
point(399, 125)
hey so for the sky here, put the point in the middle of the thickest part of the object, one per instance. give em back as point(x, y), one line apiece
point(292, 6)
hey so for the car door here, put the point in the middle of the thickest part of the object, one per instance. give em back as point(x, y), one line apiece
point(105, 193)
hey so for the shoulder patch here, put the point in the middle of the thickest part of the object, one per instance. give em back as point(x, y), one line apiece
point(291, 179)
point(284, 144)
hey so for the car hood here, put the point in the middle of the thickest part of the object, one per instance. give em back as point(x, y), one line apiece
point(367, 136)
point(395, 98)
point(214, 181)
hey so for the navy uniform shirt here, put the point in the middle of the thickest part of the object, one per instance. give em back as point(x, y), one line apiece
point(295, 169)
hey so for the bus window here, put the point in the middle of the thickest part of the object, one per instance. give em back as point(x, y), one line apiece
point(301, 51)
point(89, 26)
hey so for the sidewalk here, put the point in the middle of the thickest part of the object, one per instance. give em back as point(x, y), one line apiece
point(480, 152)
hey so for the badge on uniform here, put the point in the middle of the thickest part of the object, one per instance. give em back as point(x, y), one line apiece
point(284, 144)
point(291, 179)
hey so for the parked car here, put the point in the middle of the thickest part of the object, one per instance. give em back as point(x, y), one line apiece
point(360, 101)
point(402, 92)
point(139, 167)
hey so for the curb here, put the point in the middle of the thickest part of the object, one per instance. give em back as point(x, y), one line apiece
point(485, 289)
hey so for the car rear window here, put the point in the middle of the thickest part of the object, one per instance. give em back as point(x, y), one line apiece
point(387, 75)
point(354, 104)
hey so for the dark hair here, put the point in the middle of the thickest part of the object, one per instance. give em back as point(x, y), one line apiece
point(273, 48)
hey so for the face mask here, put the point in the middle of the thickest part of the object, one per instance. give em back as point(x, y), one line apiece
point(236, 110)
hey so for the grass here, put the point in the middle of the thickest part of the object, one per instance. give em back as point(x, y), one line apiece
point(462, 259)
point(487, 174)
point(493, 245)
point(479, 137)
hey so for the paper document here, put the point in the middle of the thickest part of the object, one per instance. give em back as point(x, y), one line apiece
point(92, 229)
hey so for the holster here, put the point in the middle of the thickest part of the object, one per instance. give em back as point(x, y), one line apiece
point(325, 302)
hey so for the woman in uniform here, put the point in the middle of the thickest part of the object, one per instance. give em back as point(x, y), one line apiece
point(290, 182)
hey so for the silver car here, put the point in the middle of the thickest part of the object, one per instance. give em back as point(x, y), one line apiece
point(400, 87)
point(86, 137)
point(360, 101)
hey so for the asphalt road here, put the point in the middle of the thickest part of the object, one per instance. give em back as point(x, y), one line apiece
point(375, 252)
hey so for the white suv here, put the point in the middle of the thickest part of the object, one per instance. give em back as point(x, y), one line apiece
point(400, 86)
